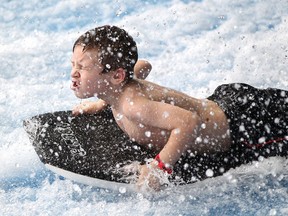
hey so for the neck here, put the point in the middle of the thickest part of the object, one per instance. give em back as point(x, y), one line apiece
point(112, 95)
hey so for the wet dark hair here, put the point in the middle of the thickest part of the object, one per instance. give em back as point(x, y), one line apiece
point(116, 48)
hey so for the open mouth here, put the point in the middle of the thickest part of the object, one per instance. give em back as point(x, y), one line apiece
point(74, 85)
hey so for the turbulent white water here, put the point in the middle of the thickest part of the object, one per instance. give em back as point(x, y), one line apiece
point(193, 46)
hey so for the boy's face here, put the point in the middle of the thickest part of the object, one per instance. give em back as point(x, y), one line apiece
point(87, 79)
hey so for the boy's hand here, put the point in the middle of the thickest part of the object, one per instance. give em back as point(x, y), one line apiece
point(148, 177)
point(151, 177)
point(88, 107)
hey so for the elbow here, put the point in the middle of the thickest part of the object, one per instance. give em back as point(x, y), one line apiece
point(190, 126)
point(147, 65)
point(142, 69)
point(192, 122)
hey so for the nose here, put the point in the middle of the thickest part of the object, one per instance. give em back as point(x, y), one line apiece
point(75, 73)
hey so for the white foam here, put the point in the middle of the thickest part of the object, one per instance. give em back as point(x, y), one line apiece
point(18, 158)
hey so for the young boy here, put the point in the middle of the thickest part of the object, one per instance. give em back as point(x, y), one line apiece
point(167, 120)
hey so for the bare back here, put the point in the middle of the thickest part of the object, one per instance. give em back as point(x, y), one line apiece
point(213, 130)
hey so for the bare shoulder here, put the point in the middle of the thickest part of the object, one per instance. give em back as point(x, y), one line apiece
point(133, 98)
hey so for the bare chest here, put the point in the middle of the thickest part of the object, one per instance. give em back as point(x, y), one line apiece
point(148, 136)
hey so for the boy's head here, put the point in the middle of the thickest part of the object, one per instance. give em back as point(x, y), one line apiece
point(116, 48)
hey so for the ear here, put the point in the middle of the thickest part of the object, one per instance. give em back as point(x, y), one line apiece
point(118, 76)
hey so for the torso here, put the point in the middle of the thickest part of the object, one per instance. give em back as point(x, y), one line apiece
point(214, 132)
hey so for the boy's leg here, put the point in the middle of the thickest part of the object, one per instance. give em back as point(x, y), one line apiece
point(258, 118)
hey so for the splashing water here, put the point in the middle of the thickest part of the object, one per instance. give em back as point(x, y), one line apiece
point(193, 46)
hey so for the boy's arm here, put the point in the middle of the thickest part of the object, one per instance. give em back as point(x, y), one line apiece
point(141, 71)
point(182, 124)
point(89, 107)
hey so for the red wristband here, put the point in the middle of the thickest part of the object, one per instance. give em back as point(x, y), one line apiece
point(162, 166)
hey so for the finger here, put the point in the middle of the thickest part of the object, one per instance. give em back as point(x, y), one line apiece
point(154, 183)
point(77, 110)
point(74, 112)
point(134, 167)
point(140, 184)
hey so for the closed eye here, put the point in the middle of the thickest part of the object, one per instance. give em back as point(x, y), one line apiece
point(79, 66)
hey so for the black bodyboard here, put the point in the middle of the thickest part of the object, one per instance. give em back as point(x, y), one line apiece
point(90, 145)
point(94, 146)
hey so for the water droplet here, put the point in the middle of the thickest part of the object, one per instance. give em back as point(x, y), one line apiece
point(122, 190)
point(177, 131)
point(119, 116)
point(108, 66)
point(262, 140)
point(165, 114)
point(209, 173)
point(148, 133)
